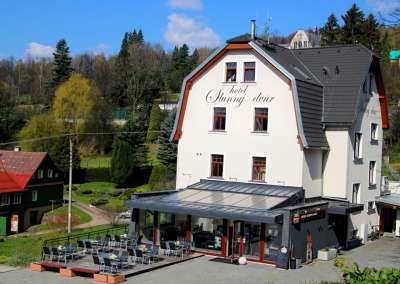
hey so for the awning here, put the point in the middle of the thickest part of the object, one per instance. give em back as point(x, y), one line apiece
point(221, 199)
point(390, 199)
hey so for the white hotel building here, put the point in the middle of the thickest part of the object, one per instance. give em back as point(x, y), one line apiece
point(277, 148)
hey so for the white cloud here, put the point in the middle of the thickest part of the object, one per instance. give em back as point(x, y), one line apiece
point(37, 50)
point(100, 48)
point(186, 4)
point(384, 6)
point(182, 29)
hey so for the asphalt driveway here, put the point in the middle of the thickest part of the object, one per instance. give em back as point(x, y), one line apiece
point(382, 253)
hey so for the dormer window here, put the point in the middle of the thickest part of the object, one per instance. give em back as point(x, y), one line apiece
point(249, 71)
point(231, 72)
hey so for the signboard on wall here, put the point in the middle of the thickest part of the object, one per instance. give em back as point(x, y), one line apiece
point(308, 214)
point(14, 223)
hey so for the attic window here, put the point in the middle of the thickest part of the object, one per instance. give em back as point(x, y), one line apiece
point(325, 71)
point(337, 70)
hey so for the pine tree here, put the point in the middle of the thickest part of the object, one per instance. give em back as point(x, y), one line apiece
point(330, 31)
point(352, 30)
point(154, 124)
point(62, 64)
point(372, 35)
point(122, 165)
point(167, 151)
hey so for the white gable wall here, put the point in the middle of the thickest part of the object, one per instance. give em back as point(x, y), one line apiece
point(238, 143)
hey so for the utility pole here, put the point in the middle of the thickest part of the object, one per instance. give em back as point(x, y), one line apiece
point(70, 185)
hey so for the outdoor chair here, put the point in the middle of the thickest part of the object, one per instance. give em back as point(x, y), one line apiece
point(88, 246)
point(124, 258)
point(155, 252)
point(140, 256)
point(110, 266)
point(174, 250)
point(117, 241)
point(132, 255)
point(165, 249)
point(100, 264)
point(47, 252)
point(81, 247)
point(58, 255)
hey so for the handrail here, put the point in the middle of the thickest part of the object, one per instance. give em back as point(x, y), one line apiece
point(61, 240)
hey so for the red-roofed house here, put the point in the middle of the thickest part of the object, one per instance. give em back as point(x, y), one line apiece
point(30, 184)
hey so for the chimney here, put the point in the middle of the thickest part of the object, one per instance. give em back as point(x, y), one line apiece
point(253, 29)
point(17, 148)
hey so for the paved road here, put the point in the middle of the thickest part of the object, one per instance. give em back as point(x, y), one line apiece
point(98, 216)
point(382, 253)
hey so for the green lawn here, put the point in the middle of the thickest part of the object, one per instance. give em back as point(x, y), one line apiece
point(82, 216)
point(21, 250)
point(100, 190)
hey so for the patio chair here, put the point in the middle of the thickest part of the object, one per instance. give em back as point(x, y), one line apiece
point(132, 255)
point(155, 253)
point(58, 255)
point(165, 250)
point(140, 256)
point(47, 252)
point(97, 261)
point(89, 247)
point(117, 241)
point(175, 250)
point(110, 266)
point(81, 247)
point(124, 258)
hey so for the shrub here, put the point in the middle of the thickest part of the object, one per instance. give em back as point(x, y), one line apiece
point(4, 259)
point(86, 191)
point(158, 176)
point(98, 202)
point(340, 262)
point(154, 124)
point(355, 275)
point(116, 193)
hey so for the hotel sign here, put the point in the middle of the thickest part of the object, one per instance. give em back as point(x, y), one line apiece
point(309, 214)
point(236, 96)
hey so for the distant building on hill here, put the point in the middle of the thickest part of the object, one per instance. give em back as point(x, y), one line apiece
point(305, 39)
point(30, 185)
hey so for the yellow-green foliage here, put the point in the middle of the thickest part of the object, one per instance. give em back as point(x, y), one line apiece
point(75, 103)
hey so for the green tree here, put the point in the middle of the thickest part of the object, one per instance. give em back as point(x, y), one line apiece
point(154, 124)
point(353, 28)
point(330, 31)
point(372, 35)
point(62, 69)
point(167, 151)
point(122, 165)
point(77, 103)
point(181, 65)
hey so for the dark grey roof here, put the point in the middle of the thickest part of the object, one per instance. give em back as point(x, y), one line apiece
point(248, 188)
point(240, 38)
point(309, 89)
point(346, 68)
point(214, 204)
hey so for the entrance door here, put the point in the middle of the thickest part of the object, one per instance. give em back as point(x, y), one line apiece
point(339, 224)
point(33, 218)
point(389, 219)
point(3, 226)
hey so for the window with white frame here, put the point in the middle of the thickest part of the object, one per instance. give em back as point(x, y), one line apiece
point(17, 198)
point(217, 165)
point(50, 173)
point(34, 195)
point(231, 72)
point(249, 71)
point(356, 193)
point(357, 146)
point(4, 199)
point(374, 132)
point(258, 171)
point(372, 173)
point(40, 174)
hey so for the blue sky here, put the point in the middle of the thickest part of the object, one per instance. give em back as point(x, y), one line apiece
point(28, 26)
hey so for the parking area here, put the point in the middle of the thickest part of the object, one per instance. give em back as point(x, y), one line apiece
point(382, 253)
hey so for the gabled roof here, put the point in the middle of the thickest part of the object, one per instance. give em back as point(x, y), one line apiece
point(17, 168)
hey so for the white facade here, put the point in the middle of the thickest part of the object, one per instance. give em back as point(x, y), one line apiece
point(322, 173)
